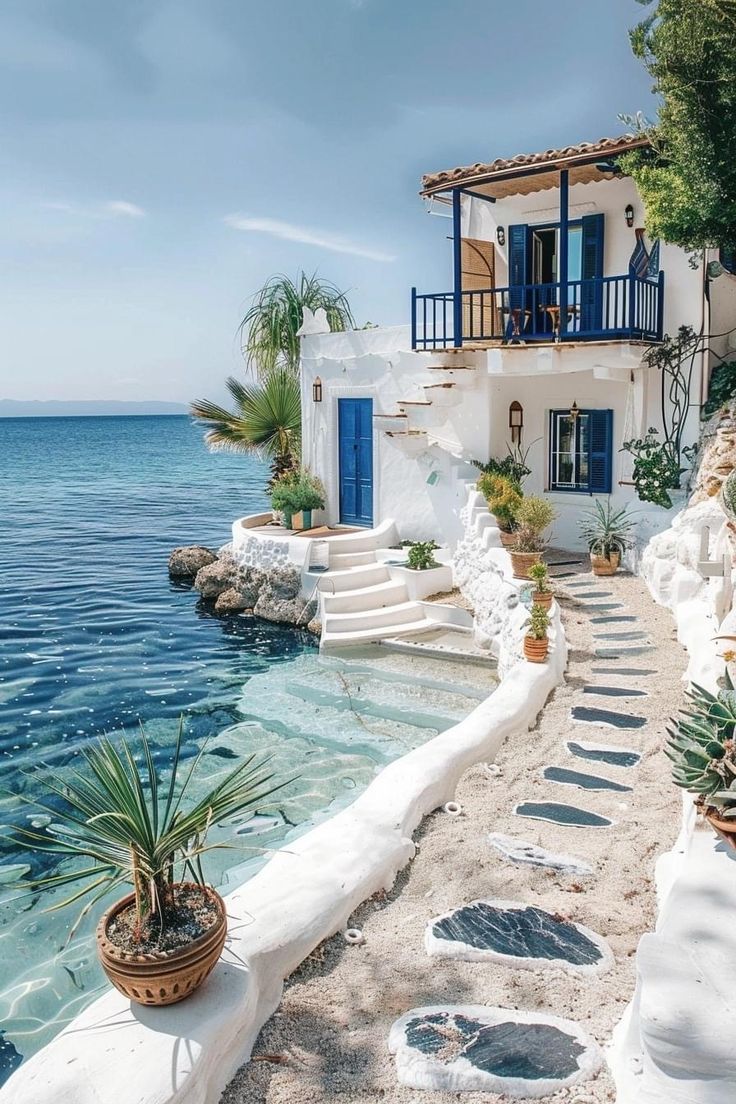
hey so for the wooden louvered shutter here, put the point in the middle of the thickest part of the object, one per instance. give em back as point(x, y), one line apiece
point(601, 450)
point(478, 271)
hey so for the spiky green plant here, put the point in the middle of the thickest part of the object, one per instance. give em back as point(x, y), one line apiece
point(129, 829)
point(266, 421)
point(702, 748)
point(538, 623)
point(728, 495)
point(270, 326)
point(606, 529)
point(539, 573)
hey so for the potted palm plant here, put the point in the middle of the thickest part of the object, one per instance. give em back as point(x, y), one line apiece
point(542, 593)
point(606, 532)
point(702, 749)
point(504, 497)
point(533, 516)
point(117, 825)
point(536, 643)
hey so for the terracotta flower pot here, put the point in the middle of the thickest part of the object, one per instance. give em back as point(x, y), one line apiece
point(726, 829)
point(160, 978)
point(605, 565)
point(522, 561)
point(535, 650)
point(508, 539)
point(544, 599)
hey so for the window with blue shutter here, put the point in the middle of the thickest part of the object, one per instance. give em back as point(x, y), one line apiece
point(581, 451)
point(519, 254)
point(591, 268)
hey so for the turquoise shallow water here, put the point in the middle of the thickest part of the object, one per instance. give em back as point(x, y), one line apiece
point(94, 637)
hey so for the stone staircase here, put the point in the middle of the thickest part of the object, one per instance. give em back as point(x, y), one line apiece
point(410, 427)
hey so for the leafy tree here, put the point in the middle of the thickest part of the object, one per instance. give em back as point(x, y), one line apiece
point(269, 329)
point(688, 178)
point(266, 420)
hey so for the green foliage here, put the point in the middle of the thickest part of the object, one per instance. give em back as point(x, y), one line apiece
point(421, 555)
point(538, 622)
point(266, 421)
point(129, 828)
point(271, 324)
point(503, 497)
point(722, 387)
point(656, 468)
point(688, 179)
point(297, 490)
point(535, 513)
point(728, 495)
point(606, 529)
point(702, 749)
point(539, 573)
point(510, 466)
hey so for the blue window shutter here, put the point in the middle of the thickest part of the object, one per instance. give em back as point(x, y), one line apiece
point(519, 267)
point(591, 292)
point(601, 450)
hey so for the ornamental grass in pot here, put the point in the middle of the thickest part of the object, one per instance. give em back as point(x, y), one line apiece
point(702, 749)
point(606, 531)
point(533, 516)
point(117, 824)
point(504, 496)
point(542, 594)
point(536, 642)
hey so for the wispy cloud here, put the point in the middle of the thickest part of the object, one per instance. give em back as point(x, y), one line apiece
point(108, 209)
point(307, 236)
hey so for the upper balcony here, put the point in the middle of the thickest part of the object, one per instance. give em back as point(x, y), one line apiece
point(549, 283)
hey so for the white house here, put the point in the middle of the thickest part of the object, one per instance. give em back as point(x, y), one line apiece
point(546, 316)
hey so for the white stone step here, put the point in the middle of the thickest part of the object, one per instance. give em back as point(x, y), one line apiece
point(354, 578)
point(366, 598)
point(372, 618)
point(381, 536)
point(341, 560)
point(368, 636)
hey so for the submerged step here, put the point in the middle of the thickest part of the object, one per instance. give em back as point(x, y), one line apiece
point(529, 854)
point(559, 813)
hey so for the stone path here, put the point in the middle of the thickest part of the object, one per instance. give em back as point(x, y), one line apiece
point(536, 893)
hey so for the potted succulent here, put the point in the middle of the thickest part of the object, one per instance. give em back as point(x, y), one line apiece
point(158, 943)
point(504, 497)
point(420, 555)
point(296, 495)
point(536, 643)
point(727, 496)
point(606, 532)
point(542, 594)
point(533, 516)
point(702, 749)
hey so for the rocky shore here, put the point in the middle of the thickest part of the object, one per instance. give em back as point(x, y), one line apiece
point(273, 593)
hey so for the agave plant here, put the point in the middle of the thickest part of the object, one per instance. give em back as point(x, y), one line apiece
point(702, 748)
point(129, 830)
point(606, 529)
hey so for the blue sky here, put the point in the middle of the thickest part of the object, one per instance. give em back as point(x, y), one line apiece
point(159, 159)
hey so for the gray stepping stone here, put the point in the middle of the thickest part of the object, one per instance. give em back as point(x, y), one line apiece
point(634, 672)
point(559, 813)
point(528, 854)
point(614, 692)
point(466, 1047)
point(562, 574)
point(518, 935)
point(599, 753)
point(622, 653)
point(583, 781)
point(583, 583)
point(596, 594)
point(590, 715)
point(565, 563)
point(613, 619)
point(621, 635)
point(605, 605)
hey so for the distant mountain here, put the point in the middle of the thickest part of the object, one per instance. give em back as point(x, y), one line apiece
point(71, 408)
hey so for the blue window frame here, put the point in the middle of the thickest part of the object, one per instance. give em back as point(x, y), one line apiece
point(581, 451)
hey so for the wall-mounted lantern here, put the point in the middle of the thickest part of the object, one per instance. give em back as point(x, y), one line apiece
point(629, 214)
point(317, 390)
point(500, 235)
point(574, 410)
point(516, 421)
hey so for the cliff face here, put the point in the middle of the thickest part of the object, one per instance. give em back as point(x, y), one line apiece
point(717, 453)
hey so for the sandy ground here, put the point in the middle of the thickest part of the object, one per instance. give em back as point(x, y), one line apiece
point(328, 1040)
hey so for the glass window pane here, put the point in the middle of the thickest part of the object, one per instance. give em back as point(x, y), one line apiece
point(575, 253)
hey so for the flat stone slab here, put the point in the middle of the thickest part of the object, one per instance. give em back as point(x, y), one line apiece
point(528, 854)
point(633, 672)
point(516, 934)
point(597, 594)
point(614, 691)
point(461, 1048)
point(605, 605)
point(621, 635)
point(588, 714)
point(597, 753)
point(623, 653)
point(615, 618)
point(583, 781)
point(559, 813)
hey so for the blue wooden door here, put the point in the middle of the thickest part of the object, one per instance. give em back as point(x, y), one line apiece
point(355, 432)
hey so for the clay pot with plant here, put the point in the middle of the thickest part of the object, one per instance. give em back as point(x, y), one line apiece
point(606, 531)
point(120, 825)
point(504, 497)
point(701, 745)
point(542, 594)
point(533, 517)
point(296, 495)
point(536, 642)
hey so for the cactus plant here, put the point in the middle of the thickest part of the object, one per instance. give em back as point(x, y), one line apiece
point(702, 749)
point(728, 496)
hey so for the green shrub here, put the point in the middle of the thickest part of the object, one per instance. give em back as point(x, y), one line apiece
point(298, 490)
point(421, 555)
point(538, 622)
point(503, 497)
point(722, 387)
point(656, 468)
point(539, 573)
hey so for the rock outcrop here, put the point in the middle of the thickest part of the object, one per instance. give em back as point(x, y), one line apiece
point(185, 562)
point(272, 593)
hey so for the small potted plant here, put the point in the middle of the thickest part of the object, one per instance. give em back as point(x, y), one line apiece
point(533, 516)
point(702, 749)
point(504, 497)
point(296, 495)
point(536, 643)
point(420, 555)
point(542, 594)
point(606, 532)
point(160, 942)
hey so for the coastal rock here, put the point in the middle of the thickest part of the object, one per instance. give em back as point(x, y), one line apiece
point(285, 582)
point(272, 608)
point(232, 600)
point(216, 577)
point(185, 562)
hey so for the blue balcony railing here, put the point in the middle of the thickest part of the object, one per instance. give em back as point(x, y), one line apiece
point(604, 308)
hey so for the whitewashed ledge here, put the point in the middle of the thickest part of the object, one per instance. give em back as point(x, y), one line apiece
point(186, 1054)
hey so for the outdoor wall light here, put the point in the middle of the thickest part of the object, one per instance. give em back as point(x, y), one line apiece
point(574, 410)
point(516, 421)
point(317, 390)
point(629, 214)
point(500, 235)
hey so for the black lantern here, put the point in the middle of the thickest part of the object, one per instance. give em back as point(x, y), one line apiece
point(500, 235)
point(516, 421)
point(629, 214)
point(317, 390)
